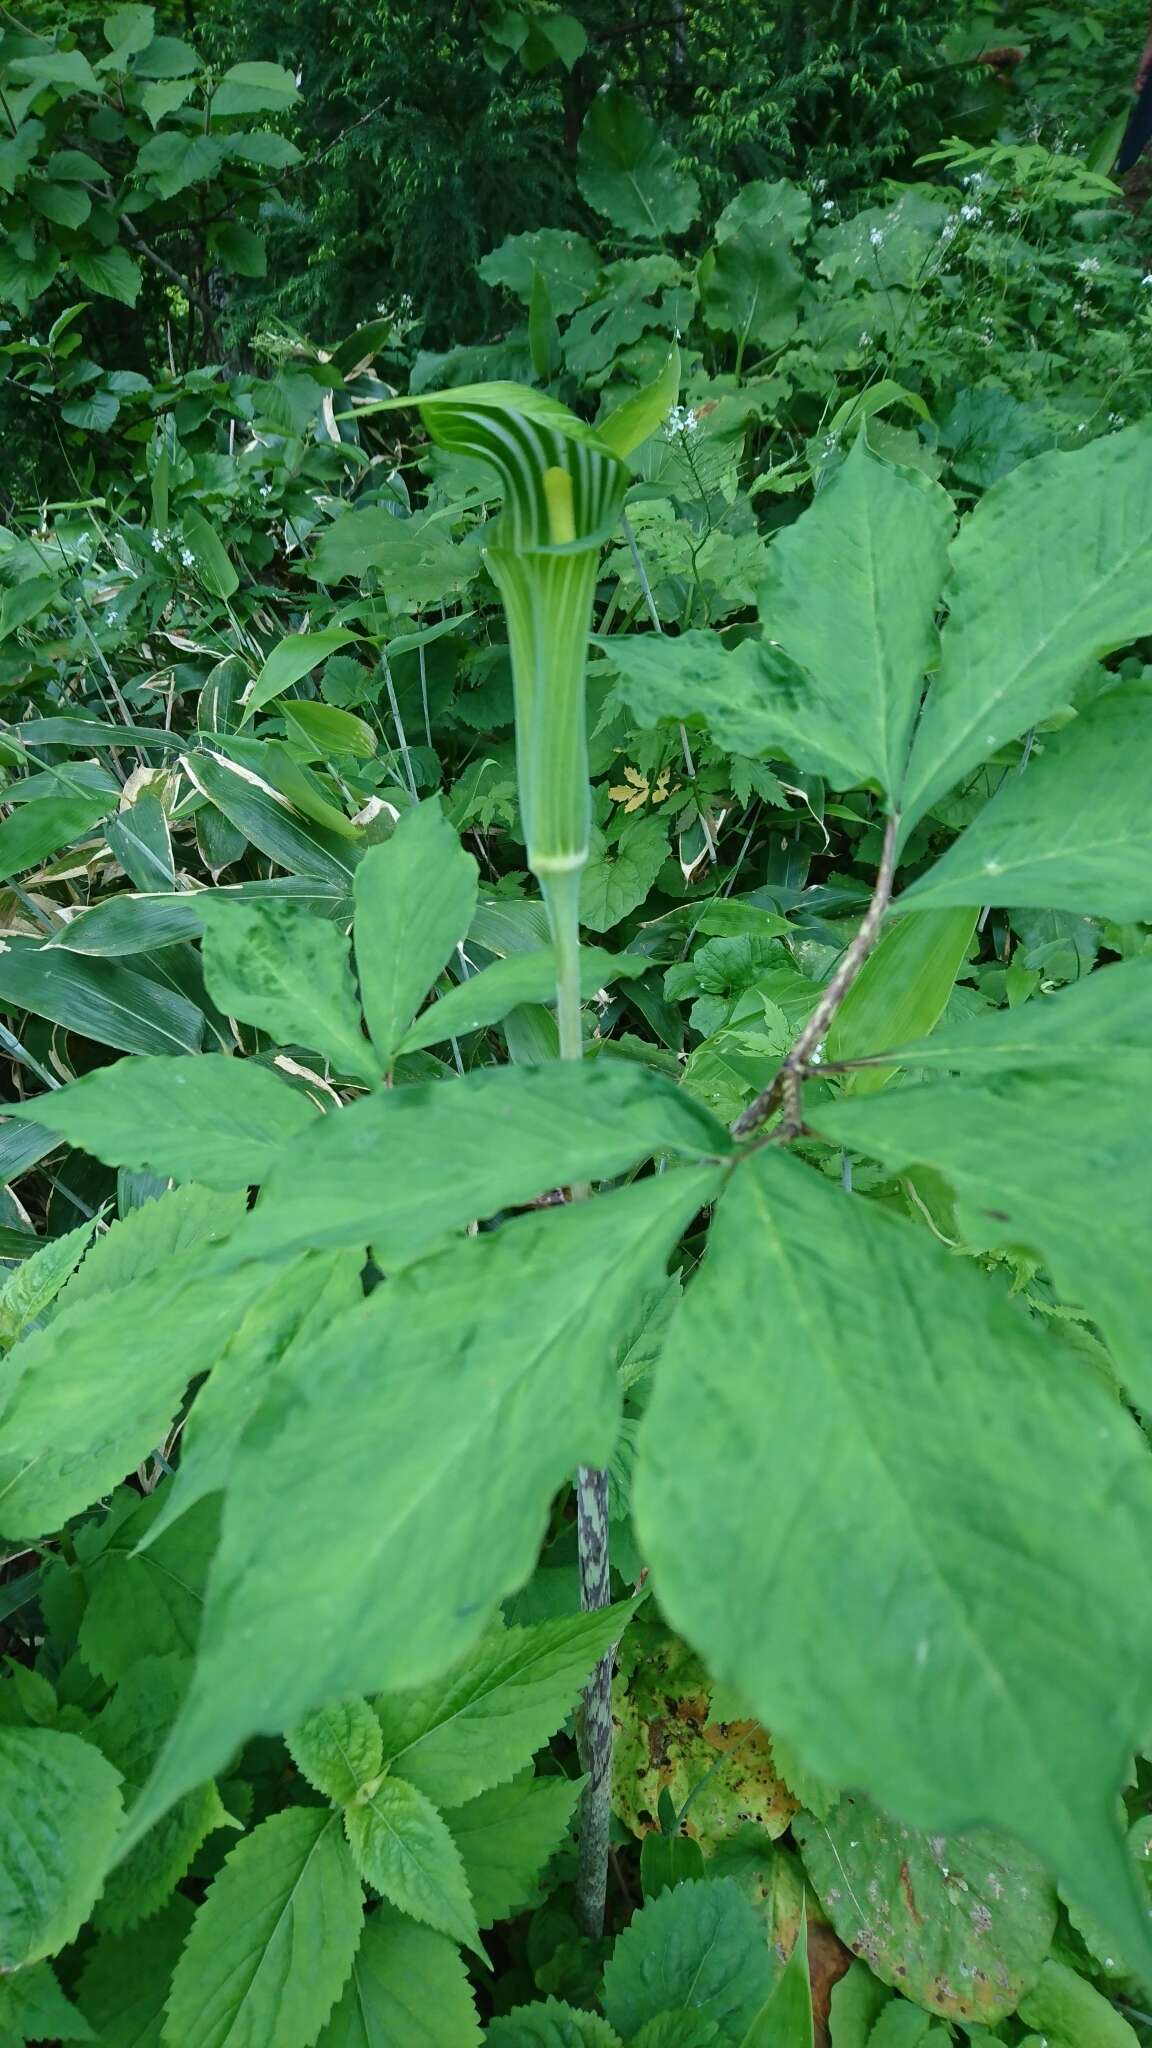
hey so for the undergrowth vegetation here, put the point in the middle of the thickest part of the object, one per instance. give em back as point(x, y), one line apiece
point(576, 650)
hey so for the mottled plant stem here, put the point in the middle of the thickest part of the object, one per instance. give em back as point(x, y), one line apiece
point(562, 896)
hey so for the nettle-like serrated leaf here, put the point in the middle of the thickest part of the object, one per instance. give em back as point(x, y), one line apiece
point(511, 1133)
point(629, 174)
point(271, 1947)
point(34, 1284)
point(700, 1947)
point(403, 1848)
point(678, 2030)
point(148, 1239)
point(289, 973)
point(905, 1435)
point(33, 2008)
point(505, 1837)
point(450, 1406)
point(60, 1810)
point(1038, 1159)
point(210, 1119)
point(958, 1923)
point(408, 1984)
point(415, 899)
point(147, 1602)
point(479, 1724)
point(1072, 832)
point(617, 878)
point(551, 2025)
point(1052, 571)
point(339, 1749)
point(126, 1978)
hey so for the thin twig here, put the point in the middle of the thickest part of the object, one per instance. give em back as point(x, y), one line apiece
point(788, 1080)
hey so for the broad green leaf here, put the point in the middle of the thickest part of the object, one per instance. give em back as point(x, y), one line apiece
point(271, 821)
point(1052, 571)
point(914, 1434)
point(212, 1119)
point(126, 924)
point(750, 287)
point(451, 1406)
point(617, 879)
point(408, 1985)
point(487, 996)
point(567, 262)
point(111, 273)
point(851, 596)
point(958, 1923)
point(147, 1602)
point(1071, 2013)
point(626, 172)
point(857, 2001)
point(290, 974)
point(415, 899)
point(60, 1811)
point(551, 2024)
point(327, 731)
point(901, 991)
point(272, 1945)
point(171, 162)
point(785, 2018)
point(298, 1303)
point(35, 1283)
point(24, 601)
point(32, 832)
point(700, 1947)
point(339, 1749)
point(677, 2030)
point(1073, 832)
point(98, 999)
point(210, 559)
point(127, 30)
point(292, 658)
point(147, 1239)
point(669, 1860)
point(1039, 1159)
point(505, 1837)
point(1104, 1017)
point(478, 1726)
point(257, 88)
point(511, 1134)
point(60, 1450)
point(124, 1985)
point(33, 2008)
point(636, 418)
point(403, 1849)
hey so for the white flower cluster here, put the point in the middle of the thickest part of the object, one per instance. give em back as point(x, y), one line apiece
point(681, 420)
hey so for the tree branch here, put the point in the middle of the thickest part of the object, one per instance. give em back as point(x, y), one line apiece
point(789, 1077)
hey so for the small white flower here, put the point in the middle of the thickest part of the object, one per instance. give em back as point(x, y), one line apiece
point(1089, 266)
point(1116, 419)
point(188, 558)
point(681, 420)
point(157, 542)
point(864, 340)
point(1146, 280)
point(829, 206)
point(877, 238)
point(971, 213)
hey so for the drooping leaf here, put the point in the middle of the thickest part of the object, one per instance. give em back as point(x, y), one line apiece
point(415, 899)
point(408, 1984)
point(1050, 573)
point(1101, 1019)
point(403, 1849)
point(487, 996)
point(512, 1133)
point(505, 1837)
point(700, 1947)
point(478, 1725)
point(60, 1806)
point(1039, 1159)
point(626, 172)
point(903, 1435)
point(1071, 833)
point(339, 1749)
point(98, 999)
point(289, 973)
point(292, 658)
point(27, 1291)
point(32, 832)
point(271, 820)
point(959, 1924)
point(901, 991)
point(271, 1948)
point(140, 838)
point(113, 273)
point(496, 1358)
point(212, 1119)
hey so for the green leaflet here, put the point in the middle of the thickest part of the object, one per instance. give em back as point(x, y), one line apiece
point(408, 1984)
point(147, 1239)
point(29, 1290)
point(701, 1948)
point(126, 1978)
point(901, 991)
point(785, 2019)
point(215, 1120)
point(61, 1449)
point(1100, 1019)
point(1049, 573)
point(33, 831)
point(904, 1437)
point(339, 1749)
point(1073, 832)
point(291, 659)
point(451, 1406)
point(960, 1923)
point(289, 973)
point(60, 1811)
point(505, 1837)
point(403, 1849)
point(478, 1725)
point(851, 596)
point(1039, 1159)
point(375, 1173)
point(415, 899)
point(272, 1945)
point(487, 996)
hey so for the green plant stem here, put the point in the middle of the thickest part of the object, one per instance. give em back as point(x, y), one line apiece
point(562, 896)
